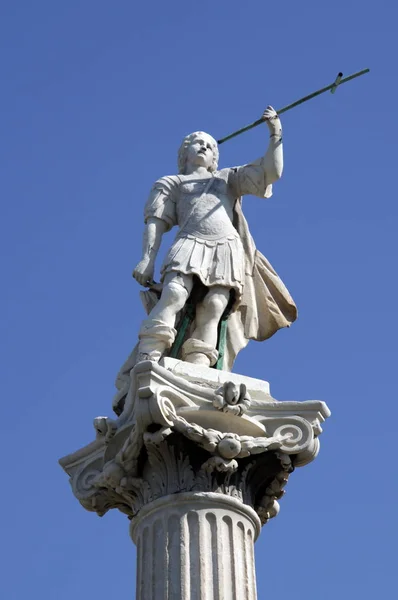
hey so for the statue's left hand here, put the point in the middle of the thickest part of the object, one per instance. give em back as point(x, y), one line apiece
point(270, 116)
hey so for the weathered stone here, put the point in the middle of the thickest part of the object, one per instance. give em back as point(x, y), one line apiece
point(171, 438)
point(196, 545)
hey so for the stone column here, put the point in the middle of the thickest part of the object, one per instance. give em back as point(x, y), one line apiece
point(198, 461)
point(194, 546)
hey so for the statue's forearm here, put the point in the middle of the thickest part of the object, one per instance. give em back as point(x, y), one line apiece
point(154, 230)
point(273, 159)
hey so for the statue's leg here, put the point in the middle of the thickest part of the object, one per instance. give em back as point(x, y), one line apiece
point(157, 332)
point(201, 347)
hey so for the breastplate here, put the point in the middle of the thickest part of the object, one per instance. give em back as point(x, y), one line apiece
point(205, 215)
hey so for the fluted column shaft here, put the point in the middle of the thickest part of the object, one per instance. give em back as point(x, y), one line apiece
point(195, 546)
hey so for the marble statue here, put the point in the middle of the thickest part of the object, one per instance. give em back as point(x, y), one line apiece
point(213, 255)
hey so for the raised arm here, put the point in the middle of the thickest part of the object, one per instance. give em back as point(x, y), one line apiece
point(154, 230)
point(257, 177)
point(273, 159)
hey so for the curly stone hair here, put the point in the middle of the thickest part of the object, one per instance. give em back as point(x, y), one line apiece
point(182, 152)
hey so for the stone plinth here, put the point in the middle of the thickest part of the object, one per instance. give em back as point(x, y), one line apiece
point(198, 461)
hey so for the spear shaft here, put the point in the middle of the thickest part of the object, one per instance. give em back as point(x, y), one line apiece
point(339, 81)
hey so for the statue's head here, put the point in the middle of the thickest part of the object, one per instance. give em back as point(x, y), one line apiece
point(199, 149)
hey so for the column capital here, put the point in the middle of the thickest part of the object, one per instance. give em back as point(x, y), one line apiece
point(191, 429)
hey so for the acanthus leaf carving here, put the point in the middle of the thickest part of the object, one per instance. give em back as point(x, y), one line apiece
point(269, 506)
point(170, 471)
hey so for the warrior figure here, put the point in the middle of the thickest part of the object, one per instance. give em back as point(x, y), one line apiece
point(213, 251)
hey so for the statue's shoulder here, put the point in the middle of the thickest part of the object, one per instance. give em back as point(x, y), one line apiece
point(223, 174)
point(228, 175)
point(168, 180)
point(167, 185)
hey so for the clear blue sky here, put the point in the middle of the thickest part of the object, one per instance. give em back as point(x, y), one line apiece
point(96, 97)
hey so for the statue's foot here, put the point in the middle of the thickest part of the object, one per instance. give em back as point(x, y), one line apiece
point(155, 337)
point(197, 358)
point(199, 353)
point(154, 356)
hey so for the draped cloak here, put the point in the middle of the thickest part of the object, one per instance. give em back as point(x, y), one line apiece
point(265, 304)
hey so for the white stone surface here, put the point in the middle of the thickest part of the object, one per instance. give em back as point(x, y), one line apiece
point(257, 388)
point(107, 474)
point(195, 547)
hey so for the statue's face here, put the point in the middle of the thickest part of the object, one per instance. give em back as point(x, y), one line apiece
point(200, 151)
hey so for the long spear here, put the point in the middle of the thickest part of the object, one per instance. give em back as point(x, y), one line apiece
point(332, 87)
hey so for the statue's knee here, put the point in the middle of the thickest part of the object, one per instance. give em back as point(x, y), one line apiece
point(215, 303)
point(175, 295)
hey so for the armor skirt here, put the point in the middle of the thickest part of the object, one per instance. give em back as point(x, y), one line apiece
point(214, 262)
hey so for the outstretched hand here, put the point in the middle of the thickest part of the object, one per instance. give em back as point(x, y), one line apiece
point(270, 116)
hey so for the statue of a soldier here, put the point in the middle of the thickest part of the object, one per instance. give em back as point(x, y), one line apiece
point(212, 256)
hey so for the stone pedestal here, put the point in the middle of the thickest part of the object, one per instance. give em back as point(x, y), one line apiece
point(198, 461)
point(196, 546)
